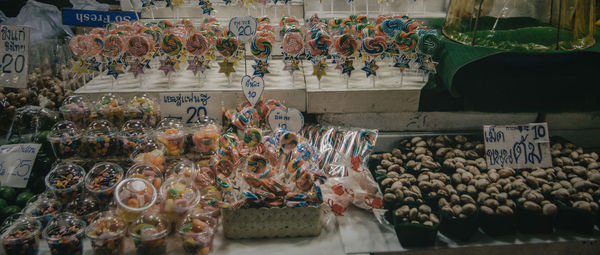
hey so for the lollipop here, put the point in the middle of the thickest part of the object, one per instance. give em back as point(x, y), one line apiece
point(292, 43)
point(252, 137)
point(346, 45)
point(78, 46)
point(94, 44)
point(261, 47)
point(227, 46)
point(288, 141)
point(406, 41)
point(172, 44)
point(263, 19)
point(113, 46)
point(319, 43)
point(374, 46)
point(265, 27)
point(139, 45)
point(257, 164)
point(268, 34)
point(334, 24)
point(368, 31)
point(196, 44)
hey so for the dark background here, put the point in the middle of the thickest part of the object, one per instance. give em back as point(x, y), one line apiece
point(11, 7)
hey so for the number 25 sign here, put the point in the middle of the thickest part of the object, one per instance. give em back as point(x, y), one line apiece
point(243, 28)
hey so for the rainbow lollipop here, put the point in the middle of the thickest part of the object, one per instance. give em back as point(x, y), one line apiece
point(113, 46)
point(346, 45)
point(172, 44)
point(196, 44)
point(227, 46)
point(261, 47)
point(374, 46)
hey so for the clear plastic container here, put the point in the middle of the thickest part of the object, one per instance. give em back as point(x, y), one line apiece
point(110, 107)
point(178, 196)
point(107, 233)
point(196, 232)
point(170, 132)
point(100, 140)
point(64, 234)
point(77, 109)
point(22, 237)
point(65, 140)
point(102, 180)
point(43, 210)
point(65, 181)
point(184, 168)
point(147, 172)
point(205, 137)
point(85, 207)
point(150, 152)
point(145, 109)
point(133, 197)
point(204, 175)
point(149, 233)
point(133, 133)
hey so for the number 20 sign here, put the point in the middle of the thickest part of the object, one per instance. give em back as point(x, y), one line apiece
point(14, 56)
point(243, 28)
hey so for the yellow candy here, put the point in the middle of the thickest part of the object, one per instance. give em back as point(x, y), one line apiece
point(168, 207)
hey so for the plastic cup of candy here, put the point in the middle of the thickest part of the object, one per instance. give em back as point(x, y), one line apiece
point(65, 139)
point(110, 107)
point(149, 233)
point(205, 137)
point(147, 172)
point(85, 207)
point(107, 233)
point(184, 167)
point(145, 109)
point(22, 237)
point(133, 197)
point(100, 140)
point(102, 180)
point(197, 234)
point(171, 133)
point(42, 210)
point(77, 109)
point(204, 176)
point(150, 152)
point(178, 195)
point(65, 181)
point(64, 235)
point(133, 133)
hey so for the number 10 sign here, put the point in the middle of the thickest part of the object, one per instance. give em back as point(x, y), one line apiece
point(14, 56)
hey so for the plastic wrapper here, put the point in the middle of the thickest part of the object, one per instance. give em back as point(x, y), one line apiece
point(89, 5)
point(43, 19)
point(31, 120)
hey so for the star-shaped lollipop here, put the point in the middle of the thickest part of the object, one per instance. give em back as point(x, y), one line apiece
point(136, 68)
point(147, 3)
point(195, 65)
point(319, 69)
point(370, 68)
point(114, 69)
point(94, 65)
point(79, 67)
point(291, 66)
point(167, 66)
point(261, 68)
point(402, 62)
point(226, 67)
point(206, 6)
point(348, 67)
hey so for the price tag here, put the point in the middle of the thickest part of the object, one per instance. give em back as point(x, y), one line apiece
point(253, 88)
point(290, 119)
point(16, 163)
point(189, 106)
point(243, 28)
point(88, 18)
point(517, 146)
point(14, 56)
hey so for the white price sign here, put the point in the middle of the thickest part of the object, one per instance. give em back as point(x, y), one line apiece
point(253, 88)
point(290, 119)
point(14, 56)
point(243, 28)
point(189, 106)
point(517, 146)
point(16, 163)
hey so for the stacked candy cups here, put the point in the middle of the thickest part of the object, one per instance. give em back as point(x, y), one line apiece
point(107, 233)
point(77, 109)
point(100, 140)
point(65, 140)
point(149, 233)
point(22, 237)
point(133, 133)
point(65, 181)
point(145, 109)
point(205, 137)
point(64, 235)
point(171, 133)
point(110, 107)
point(134, 196)
point(102, 180)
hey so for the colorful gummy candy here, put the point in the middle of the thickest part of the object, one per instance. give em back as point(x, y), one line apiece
point(107, 234)
point(145, 109)
point(103, 178)
point(65, 140)
point(178, 196)
point(205, 139)
point(65, 237)
point(65, 181)
point(197, 236)
point(76, 109)
point(100, 140)
point(110, 107)
point(149, 234)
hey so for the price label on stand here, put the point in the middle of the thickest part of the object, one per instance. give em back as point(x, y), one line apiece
point(189, 106)
point(14, 56)
point(517, 146)
point(290, 119)
point(243, 28)
point(253, 88)
point(16, 163)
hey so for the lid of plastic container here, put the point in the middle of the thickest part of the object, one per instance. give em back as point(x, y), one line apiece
point(74, 102)
point(134, 127)
point(149, 227)
point(169, 123)
point(64, 129)
point(64, 175)
point(100, 127)
point(110, 99)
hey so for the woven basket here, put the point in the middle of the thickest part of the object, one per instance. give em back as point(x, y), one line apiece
point(271, 222)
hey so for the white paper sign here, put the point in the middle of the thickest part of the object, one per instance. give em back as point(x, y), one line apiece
point(188, 106)
point(243, 28)
point(16, 163)
point(253, 88)
point(14, 56)
point(517, 146)
point(290, 119)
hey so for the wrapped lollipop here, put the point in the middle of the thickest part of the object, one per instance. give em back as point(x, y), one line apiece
point(144, 108)
point(100, 140)
point(110, 107)
point(227, 47)
point(172, 43)
point(107, 233)
point(292, 44)
point(113, 48)
point(197, 45)
point(78, 46)
point(139, 47)
point(171, 134)
point(318, 43)
point(373, 47)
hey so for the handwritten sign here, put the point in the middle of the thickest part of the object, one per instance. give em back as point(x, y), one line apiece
point(189, 106)
point(253, 88)
point(16, 163)
point(14, 56)
point(517, 146)
point(290, 119)
point(243, 28)
point(86, 18)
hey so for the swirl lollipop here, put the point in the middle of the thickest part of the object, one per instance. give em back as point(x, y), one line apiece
point(374, 46)
point(268, 34)
point(346, 45)
point(368, 31)
point(261, 47)
point(113, 46)
point(172, 44)
point(227, 46)
point(139, 45)
point(94, 44)
point(319, 43)
point(196, 44)
point(406, 41)
point(292, 43)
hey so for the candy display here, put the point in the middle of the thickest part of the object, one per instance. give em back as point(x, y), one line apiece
point(134, 196)
point(110, 107)
point(149, 233)
point(107, 233)
point(148, 172)
point(102, 179)
point(65, 139)
point(171, 134)
point(42, 210)
point(64, 234)
point(100, 140)
point(85, 207)
point(22, 237)
point(78, 110)
point(150, 152)
point(144, 108)
point(178, 195)
point(66, 181)
point(133, 133)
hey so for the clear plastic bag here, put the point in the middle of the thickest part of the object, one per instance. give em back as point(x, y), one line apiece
point(45, 21)
point(91, 5)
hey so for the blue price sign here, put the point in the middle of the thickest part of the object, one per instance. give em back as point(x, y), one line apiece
point(517, 146)
point(189, 106)
point(16, 163)
point(14, 56)
point(243, 28)
point(85, 18)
